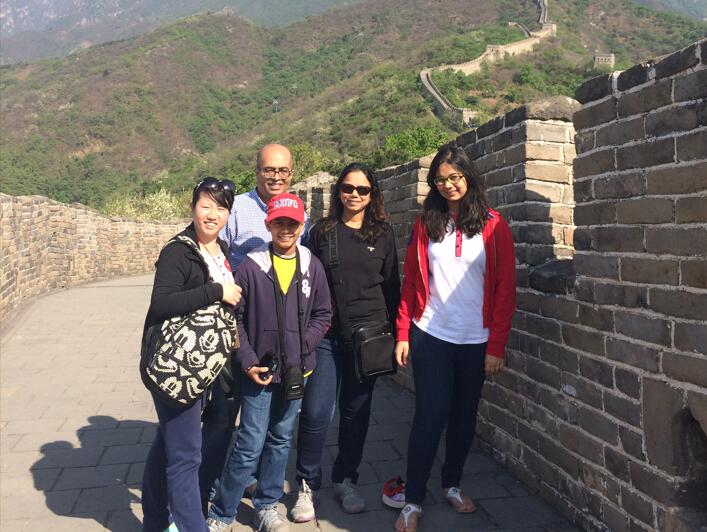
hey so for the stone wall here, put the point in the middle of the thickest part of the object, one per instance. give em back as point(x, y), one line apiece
point(46, 244)
point(603, 406)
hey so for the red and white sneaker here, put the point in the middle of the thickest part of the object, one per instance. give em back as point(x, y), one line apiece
point(394, 493)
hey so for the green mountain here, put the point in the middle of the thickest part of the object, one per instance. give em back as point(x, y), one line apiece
point(200, 95)
point(33, 29)
point(692, 8)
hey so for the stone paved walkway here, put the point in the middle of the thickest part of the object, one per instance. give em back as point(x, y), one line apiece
point(76, 424)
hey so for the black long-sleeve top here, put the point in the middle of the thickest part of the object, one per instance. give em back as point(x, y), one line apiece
point(182, 282)
point(369, 272)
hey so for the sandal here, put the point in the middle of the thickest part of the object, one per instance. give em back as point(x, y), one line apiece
point(407, 520)
point(460, 502)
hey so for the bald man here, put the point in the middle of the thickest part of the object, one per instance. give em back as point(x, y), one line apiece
point(245, 230)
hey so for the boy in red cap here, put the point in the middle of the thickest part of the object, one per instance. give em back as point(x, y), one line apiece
point(285, 310)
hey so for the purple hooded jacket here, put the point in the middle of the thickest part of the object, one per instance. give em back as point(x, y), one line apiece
point(257, 326)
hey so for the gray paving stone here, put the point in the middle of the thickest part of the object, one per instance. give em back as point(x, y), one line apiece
point(125, 454)
point(63, 454)
point(527, 512)
point(91, 477)
point(105, 499)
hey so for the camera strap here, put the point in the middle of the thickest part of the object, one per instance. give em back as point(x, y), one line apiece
point(280, 309)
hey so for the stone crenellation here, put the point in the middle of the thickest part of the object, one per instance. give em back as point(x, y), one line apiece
point(602, 408)
point(47, 245)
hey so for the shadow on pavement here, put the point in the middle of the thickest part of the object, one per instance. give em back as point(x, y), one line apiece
point(99, 479)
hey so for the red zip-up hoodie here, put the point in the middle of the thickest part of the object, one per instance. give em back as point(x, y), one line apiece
point(499, 281)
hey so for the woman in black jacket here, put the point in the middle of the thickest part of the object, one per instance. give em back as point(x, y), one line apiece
point(368, 266)
point(186, 280)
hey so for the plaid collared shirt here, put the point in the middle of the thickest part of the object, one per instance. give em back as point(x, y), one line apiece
point(245, 230)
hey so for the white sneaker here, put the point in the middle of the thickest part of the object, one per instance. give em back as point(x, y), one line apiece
point(351, 501)
point(216, 526)
point(270, 520)
point(303, 510)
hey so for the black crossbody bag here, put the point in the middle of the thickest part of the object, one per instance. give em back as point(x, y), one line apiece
point(373, 345)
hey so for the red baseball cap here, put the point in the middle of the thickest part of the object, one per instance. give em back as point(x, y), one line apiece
point(285, 205)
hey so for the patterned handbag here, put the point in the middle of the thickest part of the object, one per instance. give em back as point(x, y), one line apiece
point(182, 356)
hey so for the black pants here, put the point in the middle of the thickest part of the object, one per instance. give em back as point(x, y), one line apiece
point(448, 380)
point(334, 373)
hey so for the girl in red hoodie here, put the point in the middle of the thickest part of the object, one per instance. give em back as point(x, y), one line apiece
point(458, 298)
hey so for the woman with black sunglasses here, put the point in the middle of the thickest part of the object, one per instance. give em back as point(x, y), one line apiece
point(368, 266)
point(192, 272)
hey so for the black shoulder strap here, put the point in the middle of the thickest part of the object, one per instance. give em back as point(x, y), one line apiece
point(280, 310)
point(338, 283)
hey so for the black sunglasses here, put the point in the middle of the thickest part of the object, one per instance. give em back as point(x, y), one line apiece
point(362, 190)
point(214, 184)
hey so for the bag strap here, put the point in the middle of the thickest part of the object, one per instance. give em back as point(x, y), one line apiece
point(338, 283)
point(280, 309)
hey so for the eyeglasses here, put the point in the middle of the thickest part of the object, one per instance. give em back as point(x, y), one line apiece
point(452, 178)
point(271, 172)
point(215, 184)
point(362, 190)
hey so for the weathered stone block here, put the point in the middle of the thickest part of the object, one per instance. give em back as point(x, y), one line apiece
point(618, 239)
point(646, 99)
point(596, 317)
point(637, 506)
point(676, 241)
point(559, 308)
point(676, 62)
point(581, 389)
point(627, 382)
point(693, 272)
point(633, 354)
point(682, 118)
point(597, 213)
point(594, 89)
point(621, 132)
point(559, 456)
point(557, 173)
point(535, 130)
point(597, 371)
point(490, 127)
point(664, 426)
point(645, 211)
point(622, 408)
point(693, 146)
point(691, 337)
point(616, 463)
point(636, 75)
point(646, 154)
point(691, 210)
point(632, 443)
point(581, 443)
point(684, 179)
point(653, 330)
point(555, 277)
point(680, 303)
point(595, 163)
point(594, 115)
point(583, 339)
point(649, 270)
point(598, 424)
point(691, 86)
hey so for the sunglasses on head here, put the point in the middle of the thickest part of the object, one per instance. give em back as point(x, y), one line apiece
point(215, 184)
point(362, 190)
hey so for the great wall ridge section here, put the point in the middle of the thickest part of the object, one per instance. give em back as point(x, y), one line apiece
point(493, 54)
point(602, 409)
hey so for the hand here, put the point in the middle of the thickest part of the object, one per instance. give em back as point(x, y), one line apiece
point(254, 372)
point(493, 365)
point(402, 352)
point(231, 293)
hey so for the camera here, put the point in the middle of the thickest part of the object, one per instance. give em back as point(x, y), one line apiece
point(270, 361)
point(294, 383)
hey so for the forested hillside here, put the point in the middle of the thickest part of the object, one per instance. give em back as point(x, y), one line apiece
point(201, 94)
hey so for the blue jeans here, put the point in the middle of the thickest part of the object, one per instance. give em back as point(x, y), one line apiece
point(448, 380)
point(334, 373)
point(267, 425)
point(170, 482)
point(218, 419)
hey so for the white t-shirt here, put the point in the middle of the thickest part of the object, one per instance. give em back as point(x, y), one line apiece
point(218, 270)
point(454, 311)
